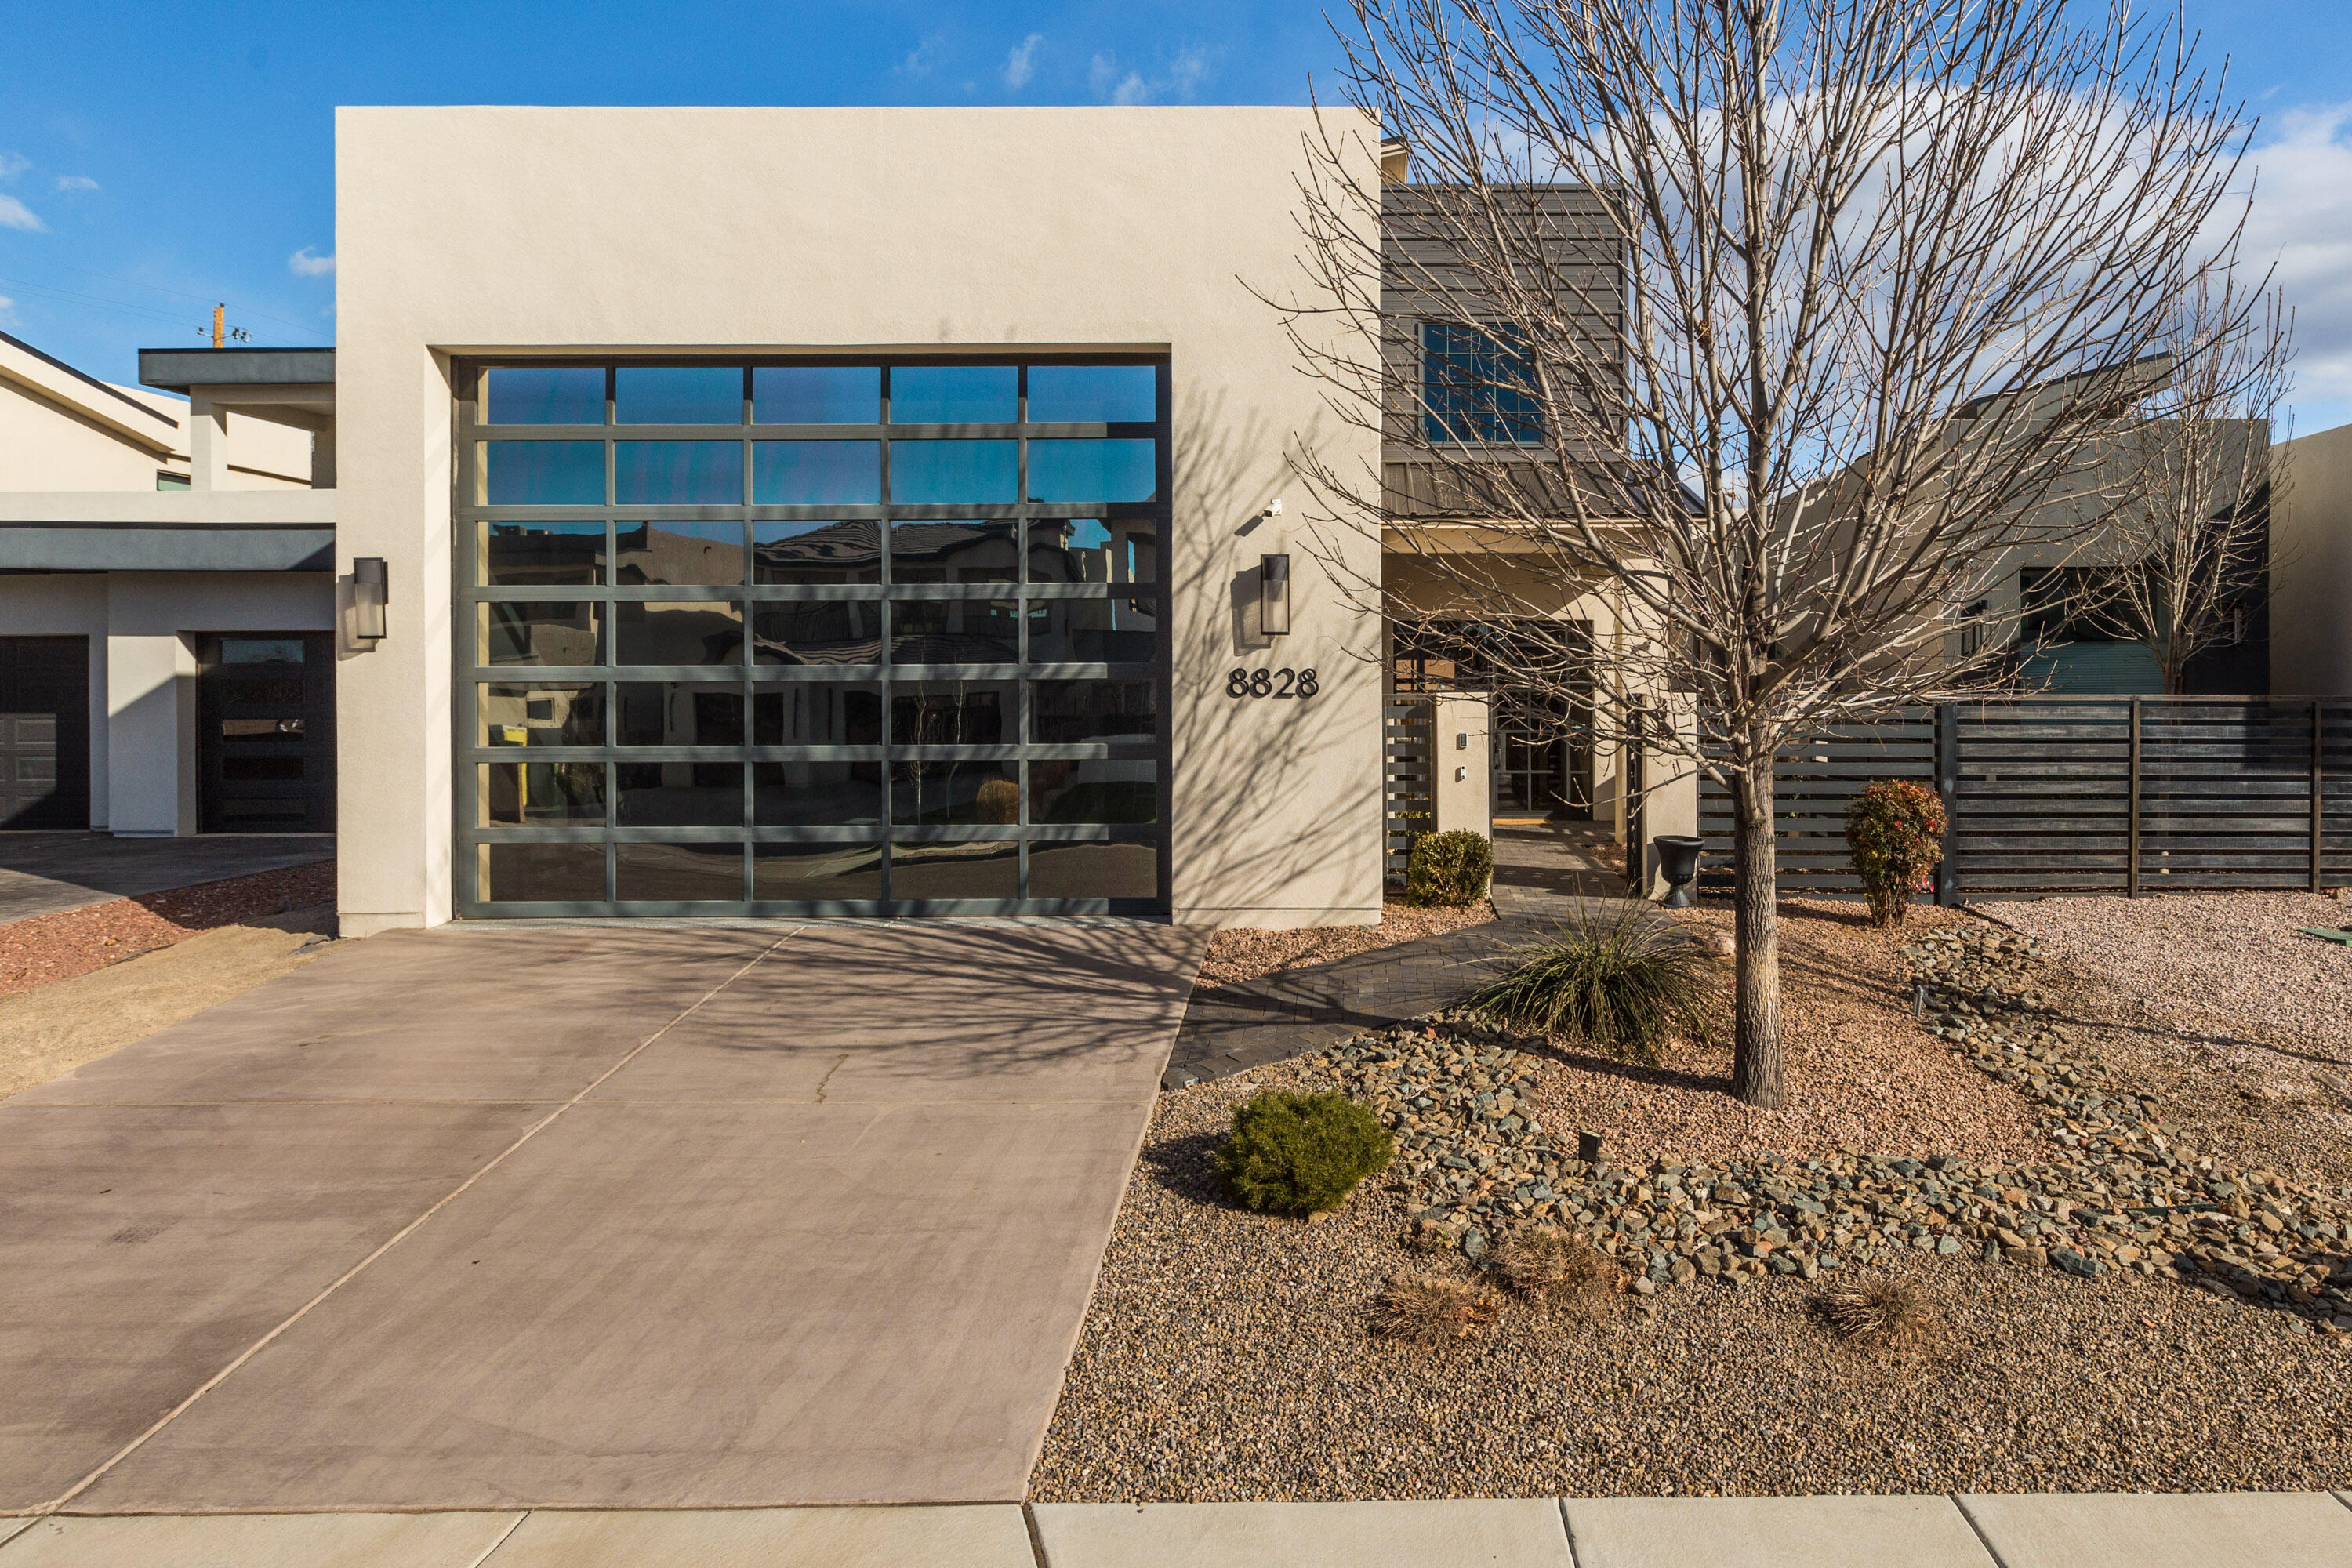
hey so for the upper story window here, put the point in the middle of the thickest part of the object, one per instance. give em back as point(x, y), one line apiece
point(1478, 384)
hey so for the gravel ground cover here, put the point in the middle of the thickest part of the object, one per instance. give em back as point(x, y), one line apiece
point(1238, 955)
point(1227, 1356)
point(47, 948)
point(2218, 1002)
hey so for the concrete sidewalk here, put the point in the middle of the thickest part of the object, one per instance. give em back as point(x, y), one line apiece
point(2292, 1530)
point(581, 1217)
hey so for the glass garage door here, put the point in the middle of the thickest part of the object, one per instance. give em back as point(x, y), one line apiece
point(884, 637)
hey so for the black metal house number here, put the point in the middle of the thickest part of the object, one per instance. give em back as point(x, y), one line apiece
point(1271, 683)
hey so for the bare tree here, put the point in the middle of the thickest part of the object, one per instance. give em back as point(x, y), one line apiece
point(1771, 323)
point(2191, 532)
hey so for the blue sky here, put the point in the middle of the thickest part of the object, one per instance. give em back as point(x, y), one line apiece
point(154, 158)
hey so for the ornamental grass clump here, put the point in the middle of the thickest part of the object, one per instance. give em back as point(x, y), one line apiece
point(1449, 870)
point(1301, 1153)
point(1553, 1269)
point(1428, 1309)
point(1627, 981)
point(1895, 831)
point(1887, 1317)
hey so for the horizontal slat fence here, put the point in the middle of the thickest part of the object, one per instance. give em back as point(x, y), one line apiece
point(1408, 768)
point(2080, 795)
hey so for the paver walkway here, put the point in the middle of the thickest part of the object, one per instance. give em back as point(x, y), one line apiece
point(44, 873)
point(2290, 1530)
point(610, 1218)
point(1541, 875)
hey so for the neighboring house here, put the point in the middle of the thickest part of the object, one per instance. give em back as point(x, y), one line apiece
point(2311, 593)
point(166, 594)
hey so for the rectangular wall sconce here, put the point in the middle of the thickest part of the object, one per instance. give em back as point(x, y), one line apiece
point(1273, 595)
point(369, 588)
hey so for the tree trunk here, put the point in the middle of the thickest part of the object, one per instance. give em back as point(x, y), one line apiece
point(1756, 1007)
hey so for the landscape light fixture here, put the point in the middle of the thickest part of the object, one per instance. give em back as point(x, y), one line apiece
point(1273, 595)
point(369, 588)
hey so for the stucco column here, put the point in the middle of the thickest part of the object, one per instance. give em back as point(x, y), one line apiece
point(1463, 785)
point(208, 442)
point(151, 735)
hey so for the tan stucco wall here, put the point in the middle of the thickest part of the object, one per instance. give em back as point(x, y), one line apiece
point(2311, 583)
point(59, 434)
point(767, 230)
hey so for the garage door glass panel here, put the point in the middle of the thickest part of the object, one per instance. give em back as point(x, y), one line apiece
point(1093, 471)
point(816, 873)
point(543, 473)
point(895, 646)
point(677, 473)
point(543, 395)
point(817, 795)
point(817, 473)
point(680, 794)
point(1093, 393)
point(815, 552)
point(1092, 870)
point(679, 873)
point(955, 395)
point(701, 553)
point(988, 873)
point(974, 552)
point(954, 473)
point(544, 632)
point(817, 713)
point(532, 554)
point(681, 632)
point(542, 794)
point(677, 714)
point(553, 714)
point(678, 394)
point(542, 873)
point(1109, 793)
point(817, 394)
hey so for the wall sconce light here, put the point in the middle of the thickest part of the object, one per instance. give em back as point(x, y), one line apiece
point(370, 589)
point(1273, 595)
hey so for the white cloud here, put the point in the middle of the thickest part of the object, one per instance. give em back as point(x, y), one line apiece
point(304, 264)
point(1021, 62)
point(76, 182)
point(2302, 221)
point(13, 164)
point(1186, 71)
point(14, 214)
point(7, 312)
point(925, 55)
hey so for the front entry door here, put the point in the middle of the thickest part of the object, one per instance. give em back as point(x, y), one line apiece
point(268, 744)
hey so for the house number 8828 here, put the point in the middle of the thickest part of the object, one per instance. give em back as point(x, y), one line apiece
point(1271, 683)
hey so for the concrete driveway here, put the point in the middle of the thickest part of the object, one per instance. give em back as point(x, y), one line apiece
point(44, 873)
point(581, 1216)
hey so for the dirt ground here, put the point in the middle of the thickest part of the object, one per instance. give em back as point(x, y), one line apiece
point(45, 949)
point(1238, 955)
point(54, 1029)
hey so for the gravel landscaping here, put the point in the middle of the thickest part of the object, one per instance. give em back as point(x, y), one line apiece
point(2054, 1214)
point(45, 948)
point(1238, 955)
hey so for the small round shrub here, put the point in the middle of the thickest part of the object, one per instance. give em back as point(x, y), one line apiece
point(1895, 831)
point(999, 801)
point(1450, 870)
point(1298, 1153)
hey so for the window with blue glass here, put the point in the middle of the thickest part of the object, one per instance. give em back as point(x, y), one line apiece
point(813, 636)
point(1478, 384)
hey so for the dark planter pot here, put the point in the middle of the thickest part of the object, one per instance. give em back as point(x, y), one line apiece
point(1678, 864)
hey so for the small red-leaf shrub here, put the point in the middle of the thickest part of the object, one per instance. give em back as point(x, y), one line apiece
point(1895, 830)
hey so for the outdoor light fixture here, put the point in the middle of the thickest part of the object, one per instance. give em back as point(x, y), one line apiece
point(1273, 595)
point(369, 591)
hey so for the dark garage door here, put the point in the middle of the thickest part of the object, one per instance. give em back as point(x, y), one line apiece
point(44, 732)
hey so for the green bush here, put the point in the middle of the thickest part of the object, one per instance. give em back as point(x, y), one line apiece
point(1626, 981)
point(1297, 1153)
point(1895, 831)
point(1451, 869)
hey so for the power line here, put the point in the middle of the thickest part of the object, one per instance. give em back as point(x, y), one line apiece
point(135, 283)
point(47, 289)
